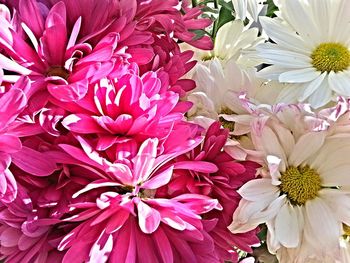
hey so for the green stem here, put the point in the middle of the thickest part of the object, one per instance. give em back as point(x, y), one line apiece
point(216, 5)
point(194, 3)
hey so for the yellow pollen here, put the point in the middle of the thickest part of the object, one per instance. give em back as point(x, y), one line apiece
point(329, 57)
point(227, 124)
point(346, 230)
point(300, 184)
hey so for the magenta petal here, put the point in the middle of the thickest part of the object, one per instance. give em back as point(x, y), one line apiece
point(10, 237)
point(164, 246)
point(5, 161)
point(34, 162)
point(30, 14)
point(101, 248)
point(140, 55)
point(94, 185)
point(198, 166)
point(70, 92)
point(144, 160)
point(159, 179)
point(9, 144)
point(8, 187)
point(81, 123)
point(11, 104)
point(200, 204)
point(117, 221)
point(149, 218)
point(53, 42)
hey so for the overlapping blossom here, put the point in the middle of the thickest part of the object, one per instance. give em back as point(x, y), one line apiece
point(117, 146)
point(302, 187)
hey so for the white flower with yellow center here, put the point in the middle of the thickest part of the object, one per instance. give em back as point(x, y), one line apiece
point(302, 199)
point(311, 49)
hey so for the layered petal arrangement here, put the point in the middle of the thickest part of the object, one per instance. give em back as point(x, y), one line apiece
point(139, 131)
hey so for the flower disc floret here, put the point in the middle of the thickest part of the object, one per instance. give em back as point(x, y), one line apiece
point(329, 57)
point(300, 184)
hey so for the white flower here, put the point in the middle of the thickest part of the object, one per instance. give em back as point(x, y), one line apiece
point(248, 8)
point(233, 41)
point(311, 49)
point(302, 199)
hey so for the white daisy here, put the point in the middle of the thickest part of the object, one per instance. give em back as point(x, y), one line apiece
point(302, 199)
point(311, 49)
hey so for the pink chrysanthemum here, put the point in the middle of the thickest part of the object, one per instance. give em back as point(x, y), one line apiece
point(210, 171)
point(124, 109)
point(53, 58)
point(123, 220)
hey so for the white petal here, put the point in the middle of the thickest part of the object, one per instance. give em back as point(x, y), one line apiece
point(282, 34)
point(323, 227)
point(258, 189)
point(321, 96)
point(314, 85)
point(336, 176)
point(339, 202)
point(339, 82)
point(307, 145)
point(299, 75)
point(289, 59)
point(287, 227)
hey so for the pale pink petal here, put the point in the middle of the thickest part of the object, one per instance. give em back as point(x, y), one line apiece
point(159, 179)
point(149, 218)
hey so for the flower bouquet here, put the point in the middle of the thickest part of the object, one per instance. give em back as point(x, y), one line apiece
point(168, 131)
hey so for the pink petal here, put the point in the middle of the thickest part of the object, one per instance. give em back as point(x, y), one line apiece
point(117, 221)
point(94, 185)
point(70, 92)
point(197, 166)
point(159, 180)
point(149, 218)
point(81, 123)
point(34, 162)
point(11, 104)
point(30, 14)
point(101, 248)
point(144, 160)
point(9, 144)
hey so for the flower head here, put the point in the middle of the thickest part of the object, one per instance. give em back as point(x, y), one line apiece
point(312, 54)
point(303, 186)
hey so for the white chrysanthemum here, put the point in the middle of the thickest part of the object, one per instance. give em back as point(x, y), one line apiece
point(302, 199)
point(233, 41)
point(248, 8)
point(221, 89)
point(311, 49)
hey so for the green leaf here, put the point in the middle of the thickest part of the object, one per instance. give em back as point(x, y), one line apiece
point(227, 5)
point(271, 8)
point(225, 16)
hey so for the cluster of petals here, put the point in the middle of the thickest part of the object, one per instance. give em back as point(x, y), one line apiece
point(97, 160)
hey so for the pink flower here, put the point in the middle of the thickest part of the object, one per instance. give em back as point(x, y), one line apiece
point(129, 222)
point(210, 171)
point(12, 103)
point(25, 235)
point(51, 59)
point(127, 108)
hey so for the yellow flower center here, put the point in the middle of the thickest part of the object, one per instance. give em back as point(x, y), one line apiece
point(300, 184)
point(346, 230)
point(329, 57)
point(227, 124)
